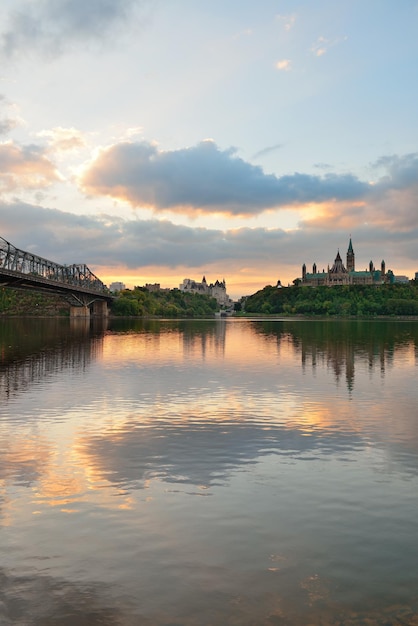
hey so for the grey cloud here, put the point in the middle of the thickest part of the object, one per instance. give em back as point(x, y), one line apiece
point(401, 171)
point(393, 199)
point(6, 125)
point(267, 150)
point(204, 178)
point(50, 26)
point(322, 166)
point(107, 240)
point(112, 241)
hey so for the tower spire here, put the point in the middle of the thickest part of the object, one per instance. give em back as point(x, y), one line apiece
point(350, 257)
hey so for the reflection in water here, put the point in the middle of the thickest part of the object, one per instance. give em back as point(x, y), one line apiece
point(142, 449)
point(339, 344)
point(29, 353)
point(208, 472)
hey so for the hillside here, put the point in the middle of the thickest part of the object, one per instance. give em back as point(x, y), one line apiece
point(18, 302)
point(353, 300)
point(170, 303)
point(137, 302)
point(345, 300)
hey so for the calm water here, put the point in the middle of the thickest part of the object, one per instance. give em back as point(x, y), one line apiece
point(215, 472)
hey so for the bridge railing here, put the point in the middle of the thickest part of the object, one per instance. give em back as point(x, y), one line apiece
point(15, 260)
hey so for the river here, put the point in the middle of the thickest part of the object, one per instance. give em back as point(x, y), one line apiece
point(208, 472)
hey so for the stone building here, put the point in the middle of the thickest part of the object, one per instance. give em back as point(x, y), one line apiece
point(340, 274)
point(217, 289)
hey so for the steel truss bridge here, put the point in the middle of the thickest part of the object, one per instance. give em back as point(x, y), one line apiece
point(76, 283)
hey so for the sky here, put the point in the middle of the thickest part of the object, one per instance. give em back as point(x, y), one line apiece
point(157, 140)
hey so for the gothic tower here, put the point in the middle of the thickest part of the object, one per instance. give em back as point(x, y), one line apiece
point(350, 258)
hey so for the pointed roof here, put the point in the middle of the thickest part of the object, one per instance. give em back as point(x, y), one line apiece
point(350, 247)
point(338, 267)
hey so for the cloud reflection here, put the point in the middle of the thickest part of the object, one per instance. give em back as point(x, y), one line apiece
point(249, 415)
point(177, 402)
point(202, 455)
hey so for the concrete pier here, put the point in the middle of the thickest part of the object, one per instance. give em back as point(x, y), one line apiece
point(79, 311)
point(100, 308)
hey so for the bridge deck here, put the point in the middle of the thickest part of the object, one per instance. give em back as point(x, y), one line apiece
point(25, 270)
point(12, 278)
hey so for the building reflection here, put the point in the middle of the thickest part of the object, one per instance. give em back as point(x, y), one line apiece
point(340, 345)
point(197, 337)
point(206, 337)
point(158, 417)
point(109, 493)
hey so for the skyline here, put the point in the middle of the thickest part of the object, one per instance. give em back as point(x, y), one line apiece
point(159, 141)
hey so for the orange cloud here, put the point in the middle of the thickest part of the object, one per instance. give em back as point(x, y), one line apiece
point(336, 215)
point(25, 167)
point(64, 139)
point(205, 179)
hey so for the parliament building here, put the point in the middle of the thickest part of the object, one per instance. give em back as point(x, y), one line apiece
point(340, 274)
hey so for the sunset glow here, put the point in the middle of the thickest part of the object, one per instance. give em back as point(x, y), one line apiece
point(180, 140)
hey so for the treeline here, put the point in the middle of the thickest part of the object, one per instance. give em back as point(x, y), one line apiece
point(172, 303)
point(131, 303)
point(344, 300)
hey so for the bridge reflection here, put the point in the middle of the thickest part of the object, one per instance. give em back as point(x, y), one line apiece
point(50, 347)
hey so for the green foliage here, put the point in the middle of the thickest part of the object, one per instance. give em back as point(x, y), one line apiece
point(21, 302)
point(345, 300)
point(138, 302)
point(170, 303)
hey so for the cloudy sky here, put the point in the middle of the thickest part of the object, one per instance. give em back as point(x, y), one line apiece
point(156, 140)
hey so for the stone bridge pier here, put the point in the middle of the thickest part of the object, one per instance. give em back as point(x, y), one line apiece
point(98, 308)
point(79, 312)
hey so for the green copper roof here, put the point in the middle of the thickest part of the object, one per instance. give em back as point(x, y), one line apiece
point(375, 274)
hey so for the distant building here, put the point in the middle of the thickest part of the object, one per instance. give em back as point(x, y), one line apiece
point(117, 286)
point(217, 289)
point(401, 279)
point(339, 274)
point(153, 287)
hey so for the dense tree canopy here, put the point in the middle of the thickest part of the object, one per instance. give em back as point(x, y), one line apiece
point(345, 300)
point(137, 302)
point(358, 300)
point(170, 303)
